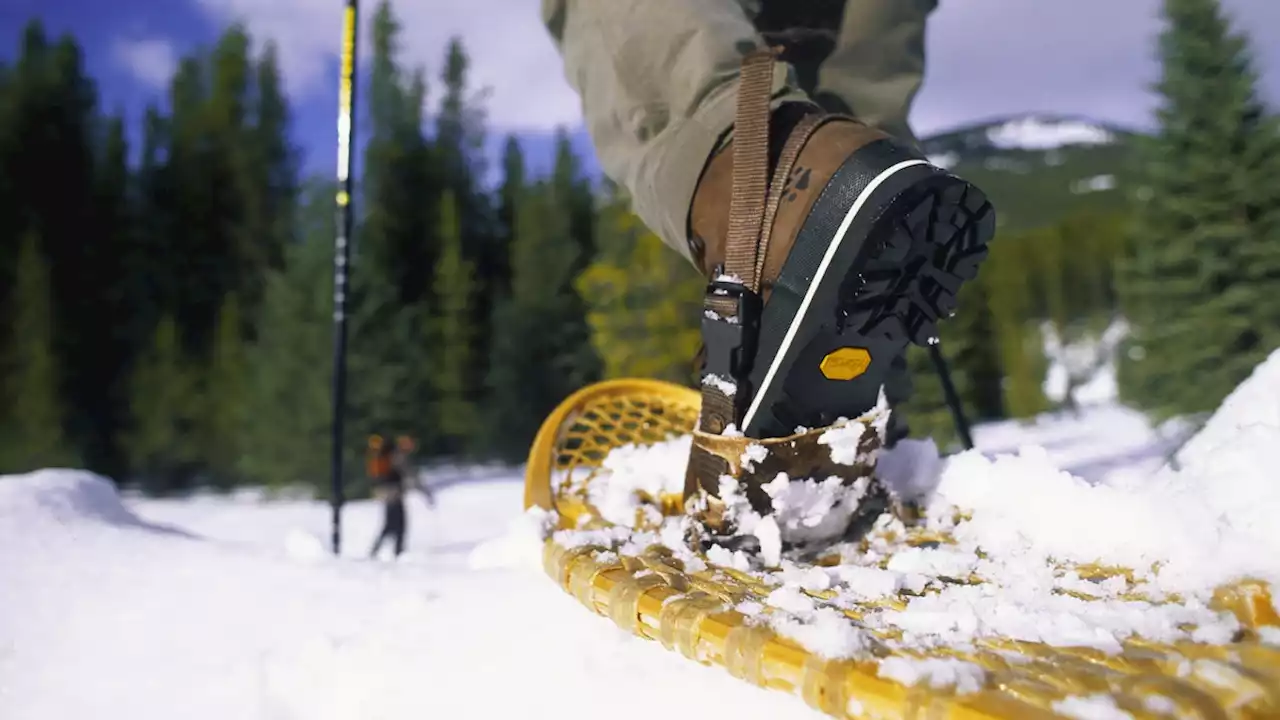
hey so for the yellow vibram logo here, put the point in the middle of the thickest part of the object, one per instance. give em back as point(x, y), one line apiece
point(845, 363)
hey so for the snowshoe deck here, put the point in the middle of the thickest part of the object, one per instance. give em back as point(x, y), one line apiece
point(694, 608)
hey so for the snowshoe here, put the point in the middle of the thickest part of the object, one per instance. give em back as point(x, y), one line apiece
point(889, 621)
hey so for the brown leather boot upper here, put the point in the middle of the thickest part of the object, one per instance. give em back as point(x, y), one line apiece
point(821, 152)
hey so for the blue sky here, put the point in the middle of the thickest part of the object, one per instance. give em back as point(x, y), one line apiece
point(986, 57)
point(132, 46)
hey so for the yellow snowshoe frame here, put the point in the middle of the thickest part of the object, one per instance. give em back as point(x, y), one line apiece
point(652, 596)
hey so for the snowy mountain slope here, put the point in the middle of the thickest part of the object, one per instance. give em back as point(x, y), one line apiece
point(214, 608)
point(1037, 168)
point(1027, 133)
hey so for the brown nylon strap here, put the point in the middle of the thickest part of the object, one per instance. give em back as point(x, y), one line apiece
point(744, 256)
point(786, 161)
point(750, 167)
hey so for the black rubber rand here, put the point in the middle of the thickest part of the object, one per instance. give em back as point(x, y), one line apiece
point(919, 235)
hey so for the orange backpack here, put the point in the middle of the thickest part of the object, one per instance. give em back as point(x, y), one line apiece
point(377, 463)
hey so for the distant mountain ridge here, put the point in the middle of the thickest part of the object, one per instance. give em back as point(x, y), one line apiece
point(1038, 167)
point(1031, 132)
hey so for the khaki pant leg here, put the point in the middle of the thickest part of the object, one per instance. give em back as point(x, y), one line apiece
point(877, 66)
point(658, 81)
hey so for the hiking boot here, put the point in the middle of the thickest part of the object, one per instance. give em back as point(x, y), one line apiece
point(829, 246)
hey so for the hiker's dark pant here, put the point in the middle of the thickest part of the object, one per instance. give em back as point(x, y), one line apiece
point(394, 525)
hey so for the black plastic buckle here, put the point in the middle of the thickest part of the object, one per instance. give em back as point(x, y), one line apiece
point(731, 341)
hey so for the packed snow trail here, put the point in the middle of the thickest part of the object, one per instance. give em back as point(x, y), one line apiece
point(231, 607)
point(105, 616)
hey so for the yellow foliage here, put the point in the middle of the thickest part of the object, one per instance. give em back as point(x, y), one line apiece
point(643, 302)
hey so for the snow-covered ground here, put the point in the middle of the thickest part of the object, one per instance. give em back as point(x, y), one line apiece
point(231, 607)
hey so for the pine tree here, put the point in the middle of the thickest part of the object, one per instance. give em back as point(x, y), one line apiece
point(396, 239)
point(234, 253)
point(290, 363)
point(1200, 284)
point(513, 182)
point(459, 131)
point(1022, 354)
point(103, 390)
point(980, 355)
point(223, 413)
point(271, 181)
point(31, 411)
point(278, 157)
point(52, 115)
point(191, 175)
point(537, 350)
point(390, 368)
point(9, 140)
point(459, 160)
point(1017, 334)
point(219, 178)
point(164, 402)
point(573, 193)
point(574, 204)
point(152, 261)
point(455, 290)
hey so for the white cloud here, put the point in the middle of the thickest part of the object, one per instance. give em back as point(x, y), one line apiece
point(151, 60)
point(511, 52)
point(985, 57)
point(1095, 58)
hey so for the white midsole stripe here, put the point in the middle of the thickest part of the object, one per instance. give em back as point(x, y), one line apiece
point(817, 279)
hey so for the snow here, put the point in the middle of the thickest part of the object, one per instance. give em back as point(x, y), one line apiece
point(1091, 707)
point(912, 470)
point(823, 631)
point(946, 160)
point(1160, 704)
point(843, 441)
point(938, 673)
point(1024, 526)
point(727, 387)
point(1035, 133)
point(803, 510)
point(1207, 524)
point(211, 608)
point(1254, 408)
point(1092, 184)
point(633, 478)
point(215, 607)
point(1084, 367)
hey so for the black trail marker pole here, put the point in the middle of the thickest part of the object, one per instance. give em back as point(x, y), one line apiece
point(342, 257)
point(953, 398)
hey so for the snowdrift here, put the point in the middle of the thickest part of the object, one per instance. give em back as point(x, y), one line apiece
point(1023, 592)
point(69, 497)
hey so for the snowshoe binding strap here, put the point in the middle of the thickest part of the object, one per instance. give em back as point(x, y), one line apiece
point(732, 304)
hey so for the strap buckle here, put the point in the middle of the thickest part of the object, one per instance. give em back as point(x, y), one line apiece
point(730, 339)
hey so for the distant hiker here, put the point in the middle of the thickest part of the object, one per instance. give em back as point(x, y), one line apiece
point(767, 142)
point(388, 470)
point(388, 486)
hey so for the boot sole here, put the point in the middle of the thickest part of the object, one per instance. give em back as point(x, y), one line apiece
point(879, 260)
